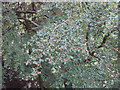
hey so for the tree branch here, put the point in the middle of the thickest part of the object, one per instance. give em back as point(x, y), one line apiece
point(30, 21)
point(103, 42)
point(30, 12)
point(10, 28)
point(105, 38)
point(87, 36)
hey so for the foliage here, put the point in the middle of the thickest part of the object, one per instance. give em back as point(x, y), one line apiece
point(75, 45)
point(62, 46)
point(12, 42)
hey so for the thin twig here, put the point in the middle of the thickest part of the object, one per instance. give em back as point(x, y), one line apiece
point(34, 23)
point(99, 59)
point(113, 48)
point(61, 23)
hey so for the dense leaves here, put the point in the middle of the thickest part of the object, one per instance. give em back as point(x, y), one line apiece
point(76, 46)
